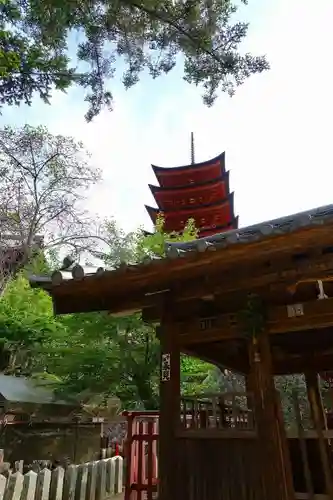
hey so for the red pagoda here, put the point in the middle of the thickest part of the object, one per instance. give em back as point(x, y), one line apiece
point(198, 191)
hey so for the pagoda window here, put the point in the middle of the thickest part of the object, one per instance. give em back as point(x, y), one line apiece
point(192, 200)
point(191, 181)
point(183, 202)
point(201, 199)
point(203, 220)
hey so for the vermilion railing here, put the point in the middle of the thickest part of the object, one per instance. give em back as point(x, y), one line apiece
point(141, 455)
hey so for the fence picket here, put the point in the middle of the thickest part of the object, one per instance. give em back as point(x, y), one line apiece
point(109, 476)
point(101, 480)
point(70, 483)
point(14, 487)
point(91, 481)
point(118, 476)
point(29, 486)
point(92, 478)
point(81, 482)
point(3, 482)
point(43, 485)
point(57, 483)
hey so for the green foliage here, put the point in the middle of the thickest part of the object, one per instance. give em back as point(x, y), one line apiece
point(145, 34)
point(26, 323)
point(107, 356)
point(196, 376)
point(28, 64)
point(153, 245)
point(94, 353)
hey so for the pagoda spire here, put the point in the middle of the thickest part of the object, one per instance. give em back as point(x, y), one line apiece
point(192, 149)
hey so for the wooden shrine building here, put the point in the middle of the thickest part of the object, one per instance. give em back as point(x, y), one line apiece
point(199, 191)
point(257, 300)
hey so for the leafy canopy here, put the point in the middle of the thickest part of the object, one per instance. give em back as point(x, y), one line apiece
point(143, 34)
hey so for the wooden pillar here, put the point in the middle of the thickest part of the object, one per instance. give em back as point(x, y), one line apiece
point(319, 422)
point(169, 411)
point(273, 449)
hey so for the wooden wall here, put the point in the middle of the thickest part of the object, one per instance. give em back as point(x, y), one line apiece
point(219, 469)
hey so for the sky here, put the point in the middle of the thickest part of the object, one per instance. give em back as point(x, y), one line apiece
point(275, 131)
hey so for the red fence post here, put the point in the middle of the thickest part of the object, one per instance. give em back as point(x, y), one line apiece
point(141, 455)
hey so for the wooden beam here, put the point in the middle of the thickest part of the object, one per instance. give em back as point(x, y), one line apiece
point(283, 272)
point(298, 364)
point(314, 314)
point(310, 315)
point(206, 330)
point(252, 278)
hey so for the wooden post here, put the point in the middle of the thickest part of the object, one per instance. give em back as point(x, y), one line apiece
point(303, 448)
point(319, 422)
point(275, 459)
point(169, 410)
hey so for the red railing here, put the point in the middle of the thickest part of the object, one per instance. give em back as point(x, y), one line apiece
point(141, 455)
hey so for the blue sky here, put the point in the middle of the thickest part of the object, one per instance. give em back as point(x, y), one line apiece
point(276, 131)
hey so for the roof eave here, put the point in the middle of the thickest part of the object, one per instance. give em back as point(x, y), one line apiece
point(220, 157)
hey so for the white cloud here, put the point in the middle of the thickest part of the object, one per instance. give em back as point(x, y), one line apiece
point(275, 130)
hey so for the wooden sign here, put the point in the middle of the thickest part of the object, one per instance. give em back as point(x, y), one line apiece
point(208, 323)
point(295, 310)
point(166, 367)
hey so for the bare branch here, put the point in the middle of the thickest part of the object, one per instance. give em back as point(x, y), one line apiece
point(42, 185)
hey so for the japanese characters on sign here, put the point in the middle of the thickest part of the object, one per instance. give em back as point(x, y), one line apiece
point(166, 368)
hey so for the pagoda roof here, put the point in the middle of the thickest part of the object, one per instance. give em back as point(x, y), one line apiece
point(220, 158)
point(99, 289)
point(154, 211)
point(188, 187)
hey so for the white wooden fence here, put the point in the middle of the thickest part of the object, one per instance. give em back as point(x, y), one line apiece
point(91, 481)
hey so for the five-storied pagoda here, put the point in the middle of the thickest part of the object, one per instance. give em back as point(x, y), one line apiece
point(198, 191)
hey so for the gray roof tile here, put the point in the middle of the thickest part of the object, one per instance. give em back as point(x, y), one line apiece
point(175, 250)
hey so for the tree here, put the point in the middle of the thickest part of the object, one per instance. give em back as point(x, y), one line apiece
point(153, 245)
point(42, 181)
point(144, 34)
point(24, 330)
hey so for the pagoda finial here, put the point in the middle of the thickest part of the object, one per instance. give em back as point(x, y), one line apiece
point(192, 149)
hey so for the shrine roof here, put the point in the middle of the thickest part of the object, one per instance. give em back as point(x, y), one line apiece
point(24, 390)
point(260, 231)
point(77, 289)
